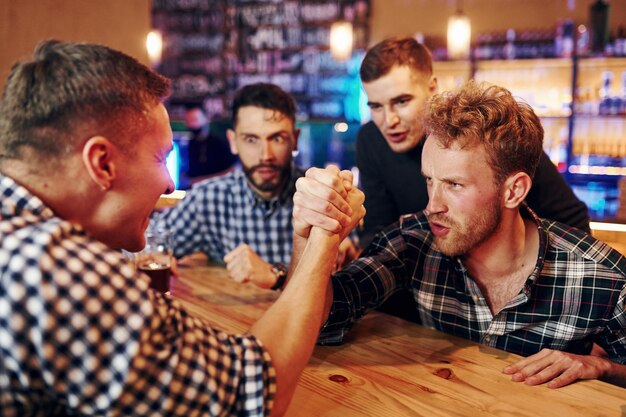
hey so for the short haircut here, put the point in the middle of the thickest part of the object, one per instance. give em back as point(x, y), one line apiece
point(266, 96)
point(477, 114)
point(69, 92)
point(399, 51)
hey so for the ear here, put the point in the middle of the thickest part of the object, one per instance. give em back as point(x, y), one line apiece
point(433, 84)
point(98, 160)
point(516, 188)
point(230, 134)
point(296, 136)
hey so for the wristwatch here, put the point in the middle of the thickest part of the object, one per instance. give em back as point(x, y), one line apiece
point(280, 271)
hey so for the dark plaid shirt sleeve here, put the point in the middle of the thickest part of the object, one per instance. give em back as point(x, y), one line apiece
point(81, 333)
point(385, 267)
point(613, 338)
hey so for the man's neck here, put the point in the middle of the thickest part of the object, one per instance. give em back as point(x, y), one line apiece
point(23, 174)
point(269, 195)
point(501, 265)
point(53, 188)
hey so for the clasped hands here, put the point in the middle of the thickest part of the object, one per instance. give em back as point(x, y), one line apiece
point(327, 199)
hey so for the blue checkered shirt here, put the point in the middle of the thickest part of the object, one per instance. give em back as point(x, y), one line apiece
point(81, 333)
point(576, 294)
point(220, 213)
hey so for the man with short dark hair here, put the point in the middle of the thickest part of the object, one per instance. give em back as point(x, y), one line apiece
point(83, 144)
point(243, 218)
point(478, 261)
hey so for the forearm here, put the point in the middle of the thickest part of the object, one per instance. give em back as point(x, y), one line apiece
point(299, 243)
point(615, 374)
point(289, 329)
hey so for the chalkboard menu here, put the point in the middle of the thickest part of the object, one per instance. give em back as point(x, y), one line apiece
point(213, 47)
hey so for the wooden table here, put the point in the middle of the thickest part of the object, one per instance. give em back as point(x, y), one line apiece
point(391, 367)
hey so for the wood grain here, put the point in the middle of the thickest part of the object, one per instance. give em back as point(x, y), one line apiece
point(390, 367)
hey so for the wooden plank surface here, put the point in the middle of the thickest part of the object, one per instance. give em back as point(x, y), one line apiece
point(390, 367)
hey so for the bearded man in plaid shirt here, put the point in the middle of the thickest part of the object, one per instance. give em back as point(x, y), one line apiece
point(243, 218)
point(480, 264)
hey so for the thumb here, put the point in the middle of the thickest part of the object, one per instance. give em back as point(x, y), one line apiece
point(233, 253)
point(334, 168)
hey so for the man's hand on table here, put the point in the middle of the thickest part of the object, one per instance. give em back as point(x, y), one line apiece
point(244, 265)
point(557, 368)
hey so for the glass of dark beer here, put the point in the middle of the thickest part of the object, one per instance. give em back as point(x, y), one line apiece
point(155, 260)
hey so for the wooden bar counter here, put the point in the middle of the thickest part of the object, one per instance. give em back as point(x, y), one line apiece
point(391, 367)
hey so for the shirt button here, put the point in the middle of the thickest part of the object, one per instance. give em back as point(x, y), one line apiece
point(487, 339)
point(475, 298)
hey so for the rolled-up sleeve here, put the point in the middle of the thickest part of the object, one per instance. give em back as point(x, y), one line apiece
point(365, 284)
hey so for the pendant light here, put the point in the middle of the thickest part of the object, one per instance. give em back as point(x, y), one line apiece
point(341, 40)
point(459, 34)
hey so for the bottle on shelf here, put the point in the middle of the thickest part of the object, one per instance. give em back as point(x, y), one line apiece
point(509, 46)
point(582, 41)
point(622, 107)
point(555, 143)
point(599, 26)
point(619, 45)
point(605, 93)
point(564, 39)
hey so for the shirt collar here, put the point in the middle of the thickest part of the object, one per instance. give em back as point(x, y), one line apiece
point(528, 213)
point(16, 200)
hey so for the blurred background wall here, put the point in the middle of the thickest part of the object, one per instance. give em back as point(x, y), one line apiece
point(403, 17)
point(122, 24)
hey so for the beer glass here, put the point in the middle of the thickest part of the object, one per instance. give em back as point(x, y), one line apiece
point(155, 259)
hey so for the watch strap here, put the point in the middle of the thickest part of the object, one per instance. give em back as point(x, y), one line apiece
point(280, 271)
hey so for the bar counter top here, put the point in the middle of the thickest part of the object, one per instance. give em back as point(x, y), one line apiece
point(391, 367)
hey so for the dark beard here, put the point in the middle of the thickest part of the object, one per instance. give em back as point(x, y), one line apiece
point(268, 186)
point(483, 228)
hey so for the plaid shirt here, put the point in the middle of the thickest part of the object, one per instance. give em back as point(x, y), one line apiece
point(220, 213)
point(81, 333)
point(575, 295)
